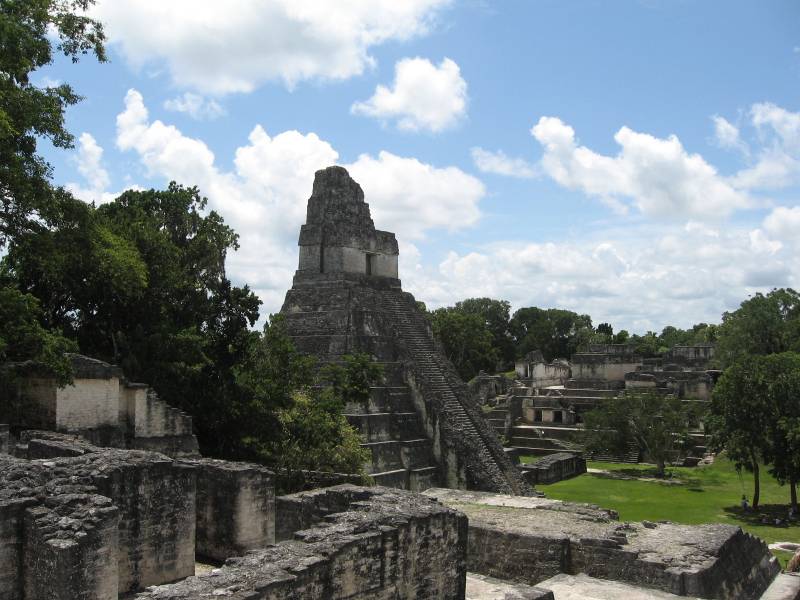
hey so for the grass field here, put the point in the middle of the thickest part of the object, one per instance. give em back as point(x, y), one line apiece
point(707, 494)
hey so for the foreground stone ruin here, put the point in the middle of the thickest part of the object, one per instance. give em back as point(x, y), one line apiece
point(355, 543)
point(532, 540)
point(80, 521)
point(421, 425)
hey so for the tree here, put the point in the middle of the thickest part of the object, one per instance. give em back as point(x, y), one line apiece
point(779, 375)
point(657, 424)
point(495, 314)
point(756, 415)
point(294, 420)
point(739, 420)
point(23, 340)
point(763, 324)
point(27, 112)
point(466, 340)
point(141, 282)
point(557, 333)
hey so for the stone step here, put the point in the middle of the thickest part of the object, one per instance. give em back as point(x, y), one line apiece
point(786, 586)
point(397, 478)
point(423, 478)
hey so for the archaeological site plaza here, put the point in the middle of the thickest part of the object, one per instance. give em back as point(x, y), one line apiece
point(104, 495)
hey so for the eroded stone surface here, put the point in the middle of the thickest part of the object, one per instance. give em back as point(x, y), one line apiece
point(385, 544)
point(583, 587)
point(481, 587)
point(531, 539)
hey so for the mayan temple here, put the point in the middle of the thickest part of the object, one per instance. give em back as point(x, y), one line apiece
point(420, 425)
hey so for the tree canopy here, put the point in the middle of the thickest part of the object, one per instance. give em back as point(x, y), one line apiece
point(657, 424)
point(28, 112)
point(764, 324)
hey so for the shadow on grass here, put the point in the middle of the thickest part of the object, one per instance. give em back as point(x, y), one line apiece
point(650, 473)
point(770, 515)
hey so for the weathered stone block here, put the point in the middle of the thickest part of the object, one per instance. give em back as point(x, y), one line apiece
point(235, 508)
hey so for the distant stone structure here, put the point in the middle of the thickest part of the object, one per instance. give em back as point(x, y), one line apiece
point(541, 416)
point(103, 407)
point(535, 372)
point(421, 426)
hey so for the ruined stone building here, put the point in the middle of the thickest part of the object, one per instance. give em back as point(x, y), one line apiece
point(80, 520)
point(420, 425)
point(544, 410)
point(103, 407)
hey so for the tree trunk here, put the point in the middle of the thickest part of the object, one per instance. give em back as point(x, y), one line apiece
point(793, 492)
point(756, 484)
point(660, 468)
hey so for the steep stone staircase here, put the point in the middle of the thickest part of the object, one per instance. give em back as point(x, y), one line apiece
point(430, 367)
point(400, 453)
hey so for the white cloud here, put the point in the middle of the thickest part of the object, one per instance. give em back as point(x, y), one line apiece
point(89, 161)
point(409, 197)
point(236, 45)
point(727, 135)
point(423, 96)
point(784, 223)
point(640, 279)
point(657, 175)
point(264, 197)
point(778, 160)
point(500, 164)
point(196, 106)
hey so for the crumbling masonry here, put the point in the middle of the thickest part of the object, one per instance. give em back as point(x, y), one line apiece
point(421, 426)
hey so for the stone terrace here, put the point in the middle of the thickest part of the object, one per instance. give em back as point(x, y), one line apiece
point(530, 540)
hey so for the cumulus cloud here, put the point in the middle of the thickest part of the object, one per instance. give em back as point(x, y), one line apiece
point(196, 106)
point(656, 175)
point(778, 159)
point(727, 135)
point(264, 197)
point(784, 223)
point(410, 197)
point(422, 97)
point(88, 159)
point(499, 163)
point(641, 279)
point(236, 45)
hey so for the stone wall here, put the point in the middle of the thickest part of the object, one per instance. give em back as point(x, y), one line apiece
point(608, 367)
point(235, 508)
point(377, 544)
point(554, 467)
point(82, 520)
point(106, 409)
point(533, 539)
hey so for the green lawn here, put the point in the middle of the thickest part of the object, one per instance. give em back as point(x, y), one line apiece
point(708, 494)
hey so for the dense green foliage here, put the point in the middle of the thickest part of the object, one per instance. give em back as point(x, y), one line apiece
point(481, 334)
point(657, 424)
point(27, 114)
point(706, 494)
point(293, 418)
point(755, 409)
point(555, 332)
point(24, 340)
point(763, 324)
point(466, 340)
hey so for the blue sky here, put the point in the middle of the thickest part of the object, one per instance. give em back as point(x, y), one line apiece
point(635, 160)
